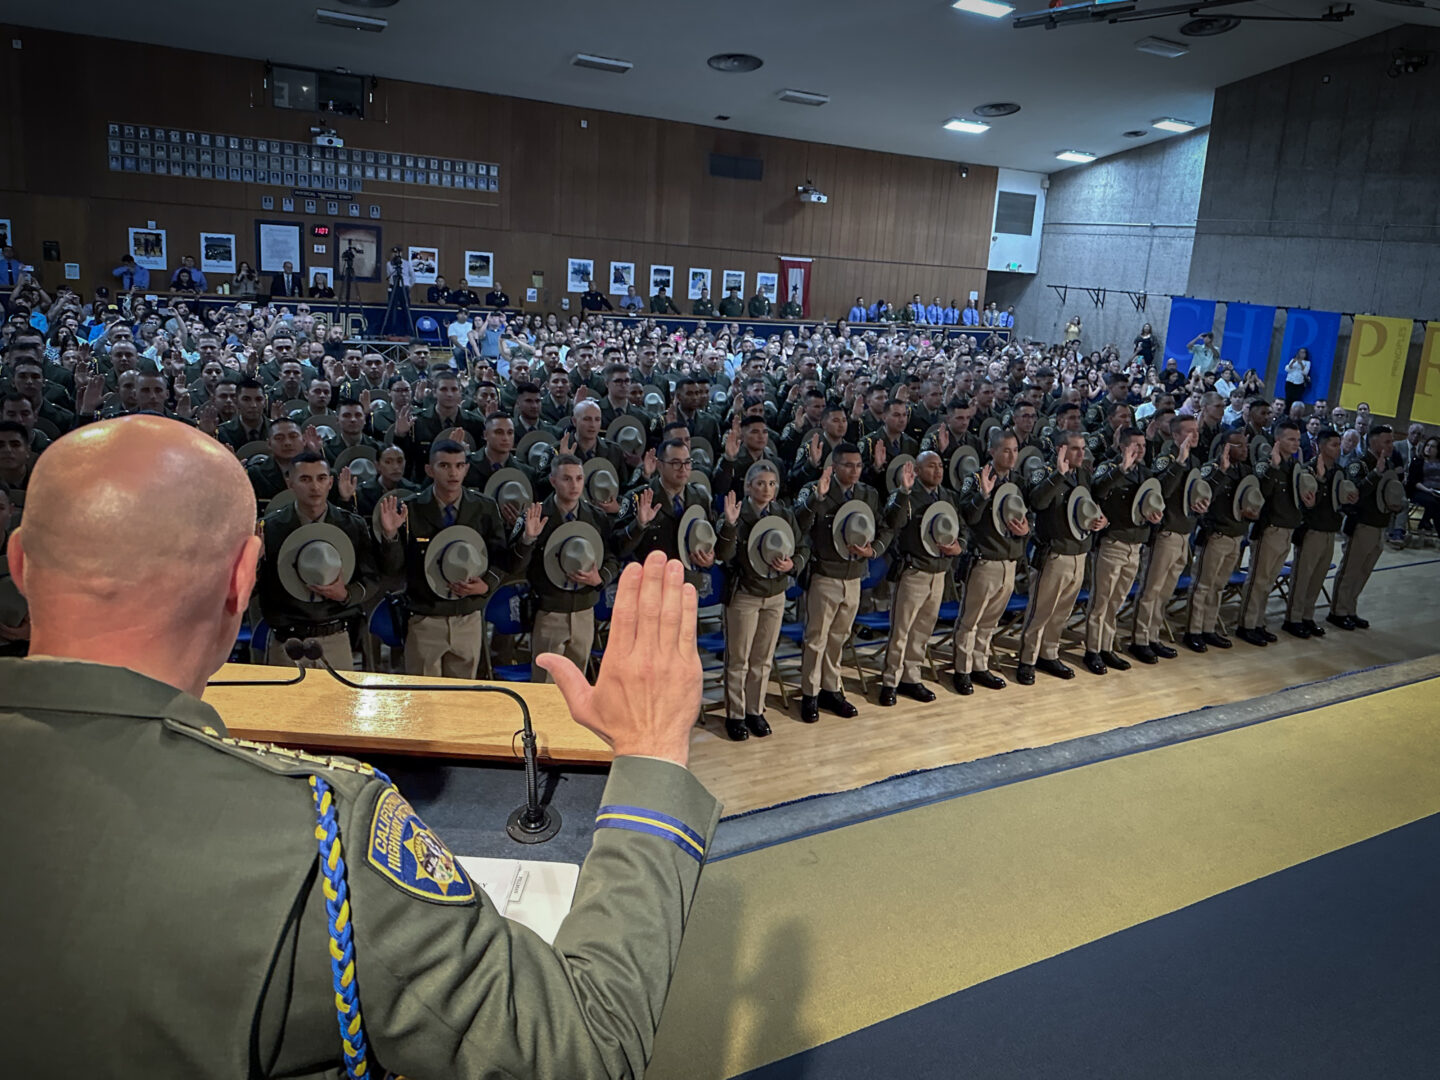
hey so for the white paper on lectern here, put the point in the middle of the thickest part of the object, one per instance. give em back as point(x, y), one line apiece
point(537, 895)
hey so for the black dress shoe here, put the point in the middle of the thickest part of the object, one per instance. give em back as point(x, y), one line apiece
point(1345, 622)
point(1194, 642)
point(834, 700)
point(1252, 637)
point(1164, 652)
point(1360, 624)
point(1316, 630)
point(1144, 654)
point(1111, 659)
point(809, 710)
point(1025, 674)
point(1295, 629)
point(1055, 667)
point(1220, 641)
point(988, 679)
point(1094, 664)
point(736, 729)
point(961, 681)
point(758, 725)
point(917, 692)
point(1266, 634)
point(887, 695)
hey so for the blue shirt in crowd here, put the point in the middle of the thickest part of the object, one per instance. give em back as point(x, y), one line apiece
point(857, 314)
point(132, 277)
point(970, 317)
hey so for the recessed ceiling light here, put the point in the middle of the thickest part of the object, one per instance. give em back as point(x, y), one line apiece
point(803, 97)
point(734, 62)
point(1078, 156)
point(1169, 123)
point(970, 127)
point(601, 63)
point(996, 108)
point(1160, 47)
point(990, 8)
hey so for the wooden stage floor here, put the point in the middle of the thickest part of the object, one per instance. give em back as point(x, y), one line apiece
point(1402, 602)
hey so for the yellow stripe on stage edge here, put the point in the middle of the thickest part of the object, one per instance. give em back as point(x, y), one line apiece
point(805, 942)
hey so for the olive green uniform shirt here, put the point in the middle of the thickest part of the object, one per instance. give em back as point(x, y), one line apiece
point(164, 911)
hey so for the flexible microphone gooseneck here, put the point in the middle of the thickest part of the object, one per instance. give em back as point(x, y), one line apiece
point(533, 823)
point(294, 649)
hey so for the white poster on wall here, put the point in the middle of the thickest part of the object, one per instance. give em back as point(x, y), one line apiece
point(148, 248)
point(768, 285)
point(735, 279)
point(278, 245)
point(479, 269)
point(662, 277)
point(622, 276)
point(424, 264)
point(578, 273)
point(217, 253)
point(699, 281)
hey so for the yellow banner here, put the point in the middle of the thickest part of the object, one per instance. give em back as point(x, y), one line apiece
point(1376, 364)
point(1426, 407)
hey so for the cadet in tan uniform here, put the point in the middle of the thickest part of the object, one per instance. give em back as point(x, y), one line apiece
point(1366, 528)
point(1221, 532)
point(221, 966)
point(1282, 515)
point(1316, 548)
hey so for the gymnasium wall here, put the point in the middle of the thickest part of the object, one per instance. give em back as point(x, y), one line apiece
point(573, 182)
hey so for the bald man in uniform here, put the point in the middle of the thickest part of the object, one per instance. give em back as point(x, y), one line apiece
point(135, 602)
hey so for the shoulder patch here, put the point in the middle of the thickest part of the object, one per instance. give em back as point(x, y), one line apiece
point(404, 851)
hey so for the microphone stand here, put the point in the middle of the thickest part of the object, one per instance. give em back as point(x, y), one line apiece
point(532, 823)
point(294, 649)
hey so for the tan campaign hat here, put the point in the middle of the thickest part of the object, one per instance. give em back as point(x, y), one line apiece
point(628, 433)
point(1081, 512)
point(510, 487)
point(602, 483)
point(1148, 499)
point(854, 524)
point(575, 547)
point(1197, 489)
point(1007, 505)
point(1248, 496)
point(892, 470)
point(771, 538)
point(457, 553)
point(695, 535)
point(1302, 483)
point(939, 526)
point(963, 462)
point(317, 554)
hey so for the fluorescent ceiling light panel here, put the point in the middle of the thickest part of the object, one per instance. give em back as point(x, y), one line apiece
point(1155, 46)
point(970, 127)
point(989, 8)
point(1171, 124)
point(1078, 156)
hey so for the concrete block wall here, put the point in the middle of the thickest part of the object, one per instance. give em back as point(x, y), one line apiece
point(1124, 222)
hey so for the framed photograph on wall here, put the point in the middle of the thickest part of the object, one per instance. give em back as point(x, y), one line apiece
point(148, 248)
point(662, 277)
point(578, 274)
point(276, 243)
point(364, 242)
point(424, 264)
point(734, 279)
point(622, 276)
point(479, 269)
point(217, 253)
point(768, 285)
point(699, 280)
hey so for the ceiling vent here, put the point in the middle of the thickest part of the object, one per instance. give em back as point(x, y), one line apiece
point(350, 22)
point(1209, 26)
point(996, 108)
point(734, 63)
point(804, 97)
point(601, 63)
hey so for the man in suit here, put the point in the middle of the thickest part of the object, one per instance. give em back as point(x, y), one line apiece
point(287, 282)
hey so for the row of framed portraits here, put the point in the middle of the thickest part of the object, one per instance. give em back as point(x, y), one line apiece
point(580, 273)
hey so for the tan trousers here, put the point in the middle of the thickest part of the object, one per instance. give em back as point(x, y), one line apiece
point(1312, 563)
point(335, 646)
point(444, 645)
point(1116, 563)
point(752, 630)
point(1361, 552)
point(830, 608)
point(912, 620)
point(987, 591)
point(1212, 573)
point(570, 634)
point(1267, 559)
point(1165, 560)
point(1053, 589)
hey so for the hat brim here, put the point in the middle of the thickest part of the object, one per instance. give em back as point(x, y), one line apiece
point(941, 508)
point(500, 477)
point(771, 524)
point(1137, 502)
point(892, 470)
point(1339, 488)
point(285, 558)
point(997, 500)
point(350, 453)
point(1237, 502)
point(556, 543)
point(688, 519)
point(435, 549)
point(1072, 508)
point(837, 527)
point(963, 462)
point(253, 448)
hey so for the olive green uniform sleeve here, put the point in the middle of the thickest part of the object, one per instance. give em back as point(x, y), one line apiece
point(456, 990)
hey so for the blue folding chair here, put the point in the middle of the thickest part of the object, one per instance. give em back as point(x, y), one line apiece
point(427, 329)
point(502, 614)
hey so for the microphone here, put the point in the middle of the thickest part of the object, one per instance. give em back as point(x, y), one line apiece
point(532, 823)
point(296, 650)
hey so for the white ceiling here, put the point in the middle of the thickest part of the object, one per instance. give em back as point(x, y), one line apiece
point(894, 70)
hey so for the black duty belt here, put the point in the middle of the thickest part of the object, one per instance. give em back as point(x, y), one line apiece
point(309, 630)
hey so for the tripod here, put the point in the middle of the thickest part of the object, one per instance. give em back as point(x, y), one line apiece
point(347, 288)
point(399, 302)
